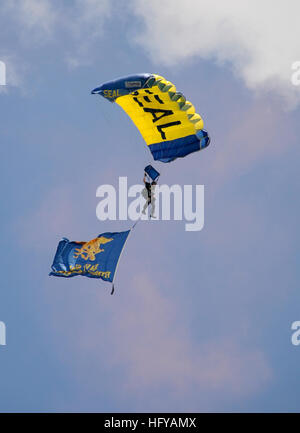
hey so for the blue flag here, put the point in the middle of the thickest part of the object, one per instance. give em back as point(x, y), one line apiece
point(152, 173)
point(97, 258)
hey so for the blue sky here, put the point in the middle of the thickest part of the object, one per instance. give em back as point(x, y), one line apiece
point(200, 320)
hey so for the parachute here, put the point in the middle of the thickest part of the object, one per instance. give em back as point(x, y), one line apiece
point(168, 122)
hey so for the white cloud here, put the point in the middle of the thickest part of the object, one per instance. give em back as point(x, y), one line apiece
point(85, 23)
point(93, 14)
point(260, 38)
point(41, 20)
point(33, 15)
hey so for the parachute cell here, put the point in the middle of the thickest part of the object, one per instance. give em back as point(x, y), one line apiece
point(166, 120)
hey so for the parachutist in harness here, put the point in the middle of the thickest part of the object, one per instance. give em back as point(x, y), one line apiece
point(149, 196)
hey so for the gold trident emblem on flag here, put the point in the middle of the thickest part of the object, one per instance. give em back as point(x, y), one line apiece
point(89, 249)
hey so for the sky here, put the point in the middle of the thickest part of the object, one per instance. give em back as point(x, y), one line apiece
point(200, 321)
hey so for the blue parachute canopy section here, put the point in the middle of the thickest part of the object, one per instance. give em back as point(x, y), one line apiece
point(111, 90)
point(152, 173)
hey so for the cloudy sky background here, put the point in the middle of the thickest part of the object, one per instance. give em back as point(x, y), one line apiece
point(200, 320)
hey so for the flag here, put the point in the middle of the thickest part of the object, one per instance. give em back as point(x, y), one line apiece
point(97, 258)
point(152, 173)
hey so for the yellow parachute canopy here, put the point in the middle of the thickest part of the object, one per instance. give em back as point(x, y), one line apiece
point(168, 122)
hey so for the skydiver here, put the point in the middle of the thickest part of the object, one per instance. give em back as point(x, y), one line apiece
point(149, 196)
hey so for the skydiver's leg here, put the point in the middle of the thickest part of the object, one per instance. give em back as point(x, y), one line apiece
point(153, 208)
point(146, 205)
point(144, 208)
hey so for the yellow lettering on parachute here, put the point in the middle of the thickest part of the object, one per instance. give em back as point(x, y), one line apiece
point(89, 249)
point(108, 93)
